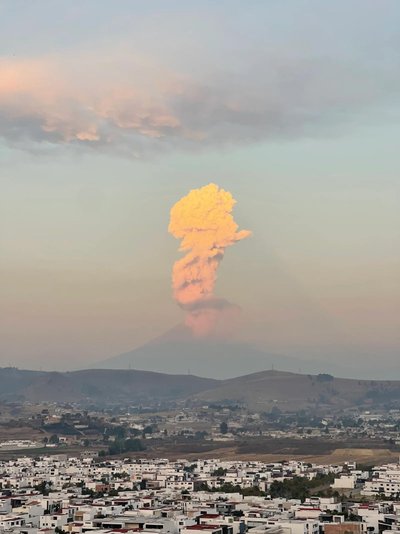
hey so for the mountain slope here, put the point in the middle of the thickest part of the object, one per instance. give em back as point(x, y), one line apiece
point(290, 391)
point(261, 391)
point(177, 351)
point(98, 385)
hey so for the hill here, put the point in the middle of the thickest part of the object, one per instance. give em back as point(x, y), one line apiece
point(261, 391)
point(98, 386)
point(292, 392)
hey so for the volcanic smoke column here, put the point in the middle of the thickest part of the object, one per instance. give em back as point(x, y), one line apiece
point(203, 221)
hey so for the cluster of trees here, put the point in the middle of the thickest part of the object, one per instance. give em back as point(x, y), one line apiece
point(44, 487)
point(223, 427)
point(122, 432)
point(299, 487)
point(231, 488)
point(120, 446)
point(52, 439)
point(220, 472)
point(189, 468)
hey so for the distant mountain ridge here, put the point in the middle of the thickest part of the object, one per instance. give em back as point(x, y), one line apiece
point(98, 386)
point(263, 391)
point(285, 391)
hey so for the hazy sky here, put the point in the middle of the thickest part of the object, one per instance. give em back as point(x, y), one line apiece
point(111, 111)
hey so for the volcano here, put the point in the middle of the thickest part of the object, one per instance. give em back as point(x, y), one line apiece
point(178, 351)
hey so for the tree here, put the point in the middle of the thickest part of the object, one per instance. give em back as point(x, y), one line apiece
point(43, 487)
point(203, 486)
point(128, 445)
point(134, 445)
point(223, 427)
point(252, 491)
point(54, 439)
point(119, 432)
point(324, 377)
point(298, 487)
point(228, 487)
point(220, 472)
point(190, 468)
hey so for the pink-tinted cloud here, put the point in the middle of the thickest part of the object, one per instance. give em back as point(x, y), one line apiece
point(42, 100)
point(136, 104)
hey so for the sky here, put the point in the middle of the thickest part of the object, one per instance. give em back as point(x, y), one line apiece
point(112, 111)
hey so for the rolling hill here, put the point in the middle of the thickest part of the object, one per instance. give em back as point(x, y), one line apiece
point(261, 391)
point(292, 392)
point(98, 386)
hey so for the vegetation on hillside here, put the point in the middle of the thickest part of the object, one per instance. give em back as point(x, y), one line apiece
point(301, 487)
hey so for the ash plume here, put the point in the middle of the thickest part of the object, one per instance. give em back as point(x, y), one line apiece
point(203, 221)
